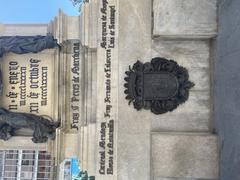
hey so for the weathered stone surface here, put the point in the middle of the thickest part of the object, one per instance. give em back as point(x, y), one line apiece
point(91, 165)
point(81, 145)
point(85, 148)
point(133, 156)
point(184, 156)
point(187, 53)
point(107, 91)
point(93, 8)
point(193, 115)
point(70, 145)
point(72, 27)
point(133, 46)
point(90, 85)
point(201, 78)
point(81, 25)
point(65, 27)
point(27, 66)
point(182, 122)
point(86, 24)
point(19, 142)
point(184, 19)
point(94, 86)
point(133, 127)
point(193, 55)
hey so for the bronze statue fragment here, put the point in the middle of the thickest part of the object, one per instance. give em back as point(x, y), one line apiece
point(26, 44)
point(12, 121)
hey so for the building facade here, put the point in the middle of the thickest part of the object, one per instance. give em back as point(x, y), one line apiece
point(26, 164)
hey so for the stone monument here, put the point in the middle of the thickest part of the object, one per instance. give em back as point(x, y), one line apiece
point(87, 89)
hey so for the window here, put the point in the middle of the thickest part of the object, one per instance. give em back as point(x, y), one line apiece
point(25, 165)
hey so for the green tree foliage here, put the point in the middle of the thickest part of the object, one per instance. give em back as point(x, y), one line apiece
point(77, 2)
point(83, 175)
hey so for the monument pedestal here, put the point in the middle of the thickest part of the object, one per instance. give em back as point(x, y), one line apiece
point(111, 139)
point(115, 140)
point(137, 134)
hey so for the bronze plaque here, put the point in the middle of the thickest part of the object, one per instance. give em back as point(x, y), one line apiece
point(159, 86)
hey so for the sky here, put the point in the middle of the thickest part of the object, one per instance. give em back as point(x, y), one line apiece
point(33, 11)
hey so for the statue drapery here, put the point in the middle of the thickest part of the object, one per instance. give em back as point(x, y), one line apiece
point(26, 44)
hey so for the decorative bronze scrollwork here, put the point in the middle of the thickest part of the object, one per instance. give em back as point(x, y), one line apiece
point(160, 85)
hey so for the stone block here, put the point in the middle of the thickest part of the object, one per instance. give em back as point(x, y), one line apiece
point(193, 115)
point(184, 156)
point(185, 18)
point(133, 156)
point(187, 53)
